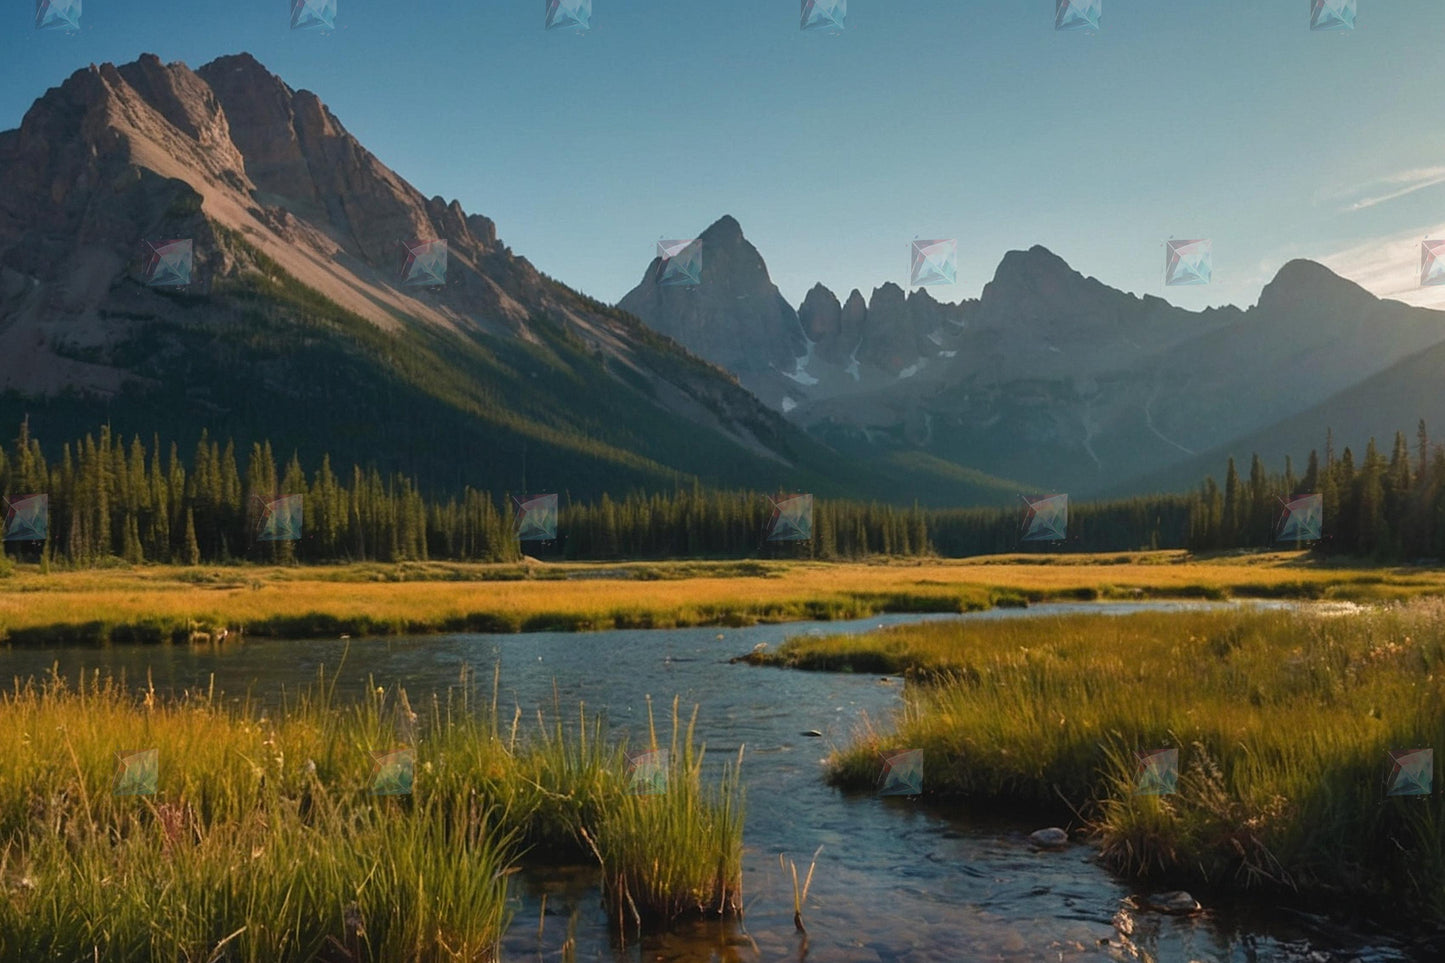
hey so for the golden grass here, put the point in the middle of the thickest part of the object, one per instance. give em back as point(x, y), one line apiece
point(423, 597)
point(1283, 719)
point(262, 832)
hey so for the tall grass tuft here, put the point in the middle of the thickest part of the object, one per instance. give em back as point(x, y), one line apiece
point(800, 893)
point(678, 852)
point(263, 839)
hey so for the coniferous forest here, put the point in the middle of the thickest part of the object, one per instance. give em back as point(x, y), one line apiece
point(135, 501)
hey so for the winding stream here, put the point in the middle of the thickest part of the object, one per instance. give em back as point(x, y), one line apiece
point(896, 880)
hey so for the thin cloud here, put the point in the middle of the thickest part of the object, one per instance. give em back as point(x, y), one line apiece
point(1389, 188)
point(1389, 267)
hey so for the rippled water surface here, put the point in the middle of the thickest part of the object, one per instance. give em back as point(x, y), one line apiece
point(896, 880)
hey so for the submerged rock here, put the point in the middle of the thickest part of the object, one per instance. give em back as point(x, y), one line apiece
point(1051, 838)
point(1176, 903)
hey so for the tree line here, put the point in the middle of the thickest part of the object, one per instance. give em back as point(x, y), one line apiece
point(138, 502)
point(1383, 508)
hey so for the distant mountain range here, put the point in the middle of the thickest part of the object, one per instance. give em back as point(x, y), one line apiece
point(1058, 380)
point(298, 324)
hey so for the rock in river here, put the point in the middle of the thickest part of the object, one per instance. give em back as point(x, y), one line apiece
point(1176, 903)
point(1051, 838)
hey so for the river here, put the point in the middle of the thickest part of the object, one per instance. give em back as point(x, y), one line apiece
point(896, 880)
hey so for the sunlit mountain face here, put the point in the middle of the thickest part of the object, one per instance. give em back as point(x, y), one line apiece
point(211, 249)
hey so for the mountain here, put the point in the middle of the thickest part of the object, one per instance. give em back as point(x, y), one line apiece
point(1396, 399)
point(297, 324)
point(1067, 384)
point(737, 318)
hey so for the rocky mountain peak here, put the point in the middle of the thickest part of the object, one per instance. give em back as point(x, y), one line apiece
point(1037, 271)
point(921, 296)
point(889, 340)
point(1302, 284)
point(821, 315)
point(735, 317)
point(725, 229)
point(150, 149)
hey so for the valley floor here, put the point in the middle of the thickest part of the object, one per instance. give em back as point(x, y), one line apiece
point(172, 603)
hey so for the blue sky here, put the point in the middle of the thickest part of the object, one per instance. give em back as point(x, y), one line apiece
point(1220, 119)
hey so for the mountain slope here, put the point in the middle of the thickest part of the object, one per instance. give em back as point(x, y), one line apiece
point(1393, 400)
point(296, 325)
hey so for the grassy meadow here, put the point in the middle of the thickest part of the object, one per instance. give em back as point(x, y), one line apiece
point(265, 839)
point(153, 603)
point(268, 843)
point(1283, 722)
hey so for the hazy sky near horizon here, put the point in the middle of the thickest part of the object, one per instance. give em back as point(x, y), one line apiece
point(1228, 119)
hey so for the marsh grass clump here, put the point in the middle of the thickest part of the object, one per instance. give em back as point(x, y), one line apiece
point(1283, 721)
point(678, 852)
point(264, 838)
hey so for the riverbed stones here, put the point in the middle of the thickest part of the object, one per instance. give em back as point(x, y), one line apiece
point(1051, 838)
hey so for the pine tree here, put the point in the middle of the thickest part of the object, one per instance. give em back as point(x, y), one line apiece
point(1310, 484)
point(1233, 509)
point(1260, 509)
point(191, 549)
point(1371, 537)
